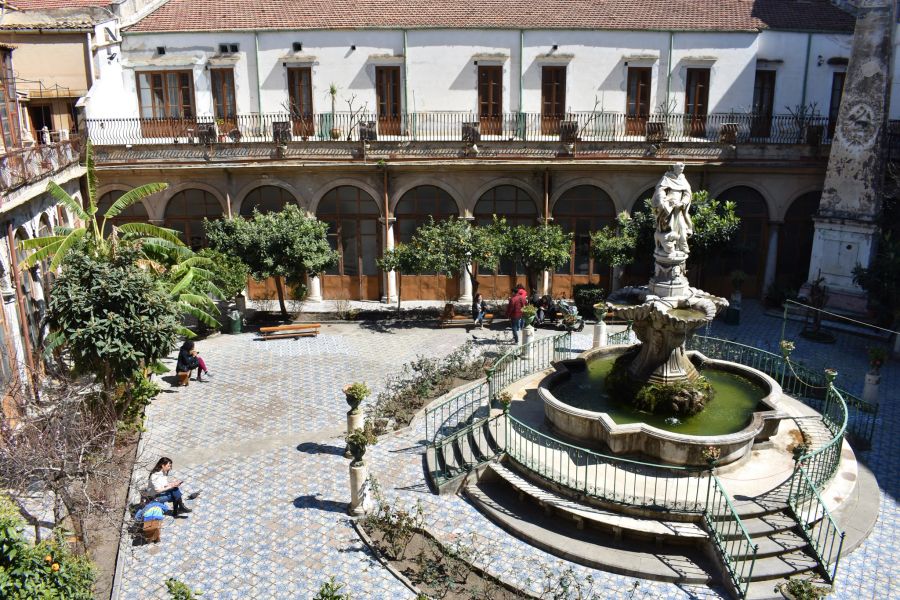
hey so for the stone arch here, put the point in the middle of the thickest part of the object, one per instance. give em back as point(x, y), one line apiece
point(535, 194)
point(719, 190)
point(636, 201)
point(185, 212)
point(485, 190)
point(120, 187)
point(428, 180)
point(136, 213)
point(342, 182)
point(795, 240)
point(580, 210)
point(748, 249)
point(591, 181)
point(258, 183)
point(195, 185)
point(437, 202)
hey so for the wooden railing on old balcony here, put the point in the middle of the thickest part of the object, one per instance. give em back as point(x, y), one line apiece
point(28, 165)
point(467, 127)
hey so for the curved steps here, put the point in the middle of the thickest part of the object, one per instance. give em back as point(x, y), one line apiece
point(449, 462)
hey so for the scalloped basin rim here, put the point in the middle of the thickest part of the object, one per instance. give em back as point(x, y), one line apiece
point(641, 438)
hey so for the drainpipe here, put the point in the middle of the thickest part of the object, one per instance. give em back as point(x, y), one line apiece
point(521, 67)
point(805, 72)
point(20, 305)
point(258, 80)
point(90, 61)
point(405, 76)
point(669, 69)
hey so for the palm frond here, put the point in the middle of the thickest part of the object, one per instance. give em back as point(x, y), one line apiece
point(185, 332)
point(182, 283)
point(158, 368)
point(153, 265)
point(198, 313)
point(52, 342)
point(42, 253)
point(67, 243)
point(39, 242)
point(132, 196)
point(146, 230)
point(63, 197)
point(63, 230)
point(198, 300)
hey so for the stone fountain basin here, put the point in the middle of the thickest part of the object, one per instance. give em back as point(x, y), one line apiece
point(590, 427)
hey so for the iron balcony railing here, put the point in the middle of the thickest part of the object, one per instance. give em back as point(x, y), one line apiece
point(467, 127)
point(26, 165)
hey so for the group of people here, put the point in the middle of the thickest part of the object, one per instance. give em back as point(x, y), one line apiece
point(517, 302)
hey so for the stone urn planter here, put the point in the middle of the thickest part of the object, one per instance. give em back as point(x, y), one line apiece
point(529, 313)
point(802, 589)
point(355, 394)
point(357, 442)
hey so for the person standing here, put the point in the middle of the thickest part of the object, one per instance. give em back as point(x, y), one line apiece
point(479, 309)
point(514, 311)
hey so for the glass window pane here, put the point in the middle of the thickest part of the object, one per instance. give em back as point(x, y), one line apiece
point(369, 254)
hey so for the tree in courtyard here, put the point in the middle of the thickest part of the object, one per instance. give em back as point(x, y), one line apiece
point(111, 319)
point(403, 259)
point(715, 223)
point(538, 248)
point(446, 246)
point(286, 245)
point(881, 280)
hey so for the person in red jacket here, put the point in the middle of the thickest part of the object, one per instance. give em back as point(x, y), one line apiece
point(514, 310)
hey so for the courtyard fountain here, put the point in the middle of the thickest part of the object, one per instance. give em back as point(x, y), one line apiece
point(657, 399)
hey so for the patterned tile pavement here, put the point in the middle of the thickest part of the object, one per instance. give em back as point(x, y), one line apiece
point(262, 440)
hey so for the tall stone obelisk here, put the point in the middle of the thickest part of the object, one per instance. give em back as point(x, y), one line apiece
point(846, 224)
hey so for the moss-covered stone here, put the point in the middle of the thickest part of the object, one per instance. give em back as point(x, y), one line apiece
point(681, 399)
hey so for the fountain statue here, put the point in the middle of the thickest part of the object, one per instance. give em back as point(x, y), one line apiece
point(666, 311)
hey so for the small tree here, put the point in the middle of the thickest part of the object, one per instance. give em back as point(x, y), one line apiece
point(881, 280)
point(447, 246)
point(403, 259)
point(284, 245)
point(111, 317)
point(538, 248)
point(229, 274)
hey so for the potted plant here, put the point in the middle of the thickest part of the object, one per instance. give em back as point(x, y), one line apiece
point(711, 455)
point(877, 356)
point(738, 278)
point(356, 393)
point(505, 399)
point(333, 132)
point(802, 589)
point(357, 442)
point(220, 130)
point(529, 312)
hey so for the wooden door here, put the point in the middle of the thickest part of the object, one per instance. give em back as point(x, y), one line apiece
point(837, 91)
point(763, 104)
point(224, 103)
point(387, 97)
point(300, 93)
point(637, 102)
point(490, 99)
point(553, 99)
point(696, 101)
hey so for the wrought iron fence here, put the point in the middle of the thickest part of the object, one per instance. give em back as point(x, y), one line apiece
point(729, 535)
point(816, 523)
point(463, 126)
point(21, 166)
point(529, 358)
point(456, 412)
point(474, 444)
point(621, 337)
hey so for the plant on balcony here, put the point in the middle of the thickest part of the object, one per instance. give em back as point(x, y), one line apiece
point(284, 245)
point(334, 132)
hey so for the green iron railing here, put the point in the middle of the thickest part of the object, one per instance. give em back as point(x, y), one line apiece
point(456, 412)
point(804, 383)
point(451, 458)
point(529, 358)
point(816, 523)
point(730, 537)
point(820, 464)
point(606, 477)
point(619, 338)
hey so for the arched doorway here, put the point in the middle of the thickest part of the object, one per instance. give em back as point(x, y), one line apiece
point(185, 213)
point(746, 251)
point(352, 217)
point(266, 198)
point(518, 208)
point(795, 242)
point(136, 213)
point(581, 210)
point(640, 271)
point(412, 211)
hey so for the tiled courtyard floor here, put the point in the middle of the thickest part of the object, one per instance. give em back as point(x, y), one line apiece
point(262, 440)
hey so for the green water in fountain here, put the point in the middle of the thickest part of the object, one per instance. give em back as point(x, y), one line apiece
point(729, 411)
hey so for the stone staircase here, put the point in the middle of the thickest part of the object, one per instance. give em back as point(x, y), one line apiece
point(455, 456)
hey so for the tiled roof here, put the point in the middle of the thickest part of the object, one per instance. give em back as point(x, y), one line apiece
point(52, 4)
point(679, 15)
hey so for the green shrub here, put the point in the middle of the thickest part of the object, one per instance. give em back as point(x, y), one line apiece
point(142, 392)
point(586, 295)
point(48, 570)
point(331, 590)
point(179, 590)
point(229, 274)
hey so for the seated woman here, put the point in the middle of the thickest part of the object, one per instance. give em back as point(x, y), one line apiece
point(188, 360)
point(165, 490)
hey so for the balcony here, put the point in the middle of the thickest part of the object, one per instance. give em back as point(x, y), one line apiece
point(24, 166)
point(449, 134)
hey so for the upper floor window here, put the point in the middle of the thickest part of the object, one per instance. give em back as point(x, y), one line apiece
point(637, 100)
point(763, 103)
point(9, 114)
point(166, 94)
point(224, 105)
point(553, 98)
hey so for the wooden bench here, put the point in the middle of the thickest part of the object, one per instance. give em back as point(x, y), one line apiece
point(449, 318)
point(290, 331)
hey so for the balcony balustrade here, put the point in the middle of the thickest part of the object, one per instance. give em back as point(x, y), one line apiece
point(464, 127)
point(22, 166)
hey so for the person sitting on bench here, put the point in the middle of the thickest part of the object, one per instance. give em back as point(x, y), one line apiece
point(188, 360)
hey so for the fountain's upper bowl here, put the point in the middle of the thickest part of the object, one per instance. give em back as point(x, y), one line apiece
point(639, 303)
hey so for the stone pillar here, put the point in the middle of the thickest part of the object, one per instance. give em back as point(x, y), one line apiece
point(314, 290)
point(846, 228)
point(545, 283)
point(600, 334)
point(771, 256)
point(465, 285)
point(870, 391)
point(527, 336)
point(390, 276)
point(615, 282)
point(359, 480)
point(354, 421)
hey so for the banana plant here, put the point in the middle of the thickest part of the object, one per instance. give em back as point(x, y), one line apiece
point(190, 284)
point(98, 239)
